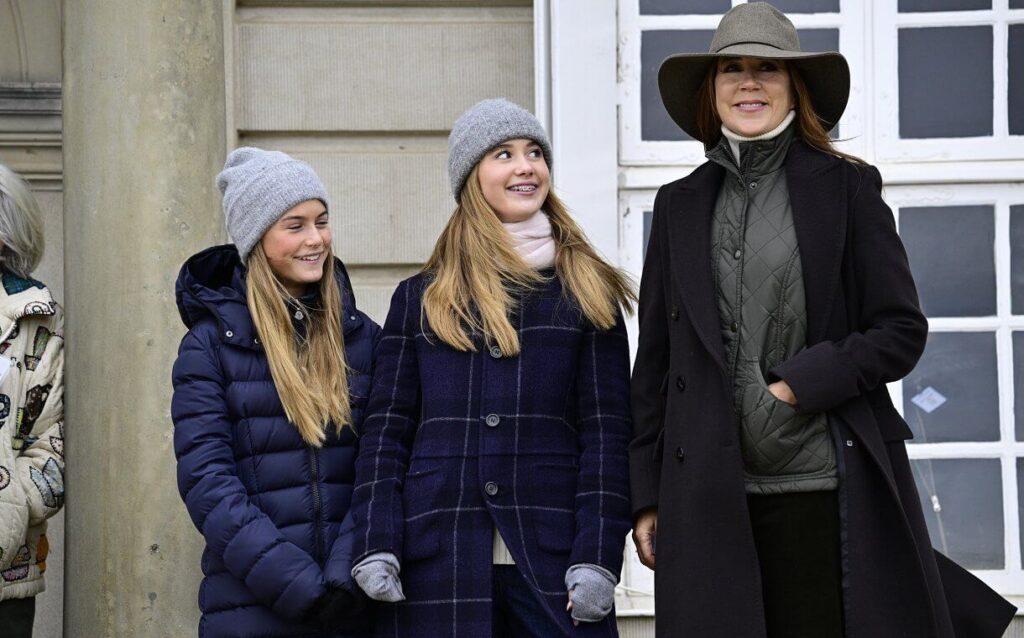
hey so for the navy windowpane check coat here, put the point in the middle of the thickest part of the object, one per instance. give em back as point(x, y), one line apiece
point(458, 443)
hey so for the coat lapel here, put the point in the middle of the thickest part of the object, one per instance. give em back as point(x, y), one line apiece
point(816, 194)
point(690, 213)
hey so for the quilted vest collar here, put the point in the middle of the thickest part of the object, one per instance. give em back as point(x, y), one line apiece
point(758, 157)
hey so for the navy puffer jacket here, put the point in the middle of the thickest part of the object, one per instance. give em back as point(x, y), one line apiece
point(271, 508)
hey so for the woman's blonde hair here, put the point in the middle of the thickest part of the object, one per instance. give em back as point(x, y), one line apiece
point(476, 275)
point(21, 225)
point(809, 125)
point(310, 376)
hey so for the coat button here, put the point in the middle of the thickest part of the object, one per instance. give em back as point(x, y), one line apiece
point(680, 383)
point(738, 253)
point(229, 334)
point(753, 185)
point(734, 326)
point(491, 488)
point(680, 454)
point(495, 352)
point(675, 313)
point(492, 420)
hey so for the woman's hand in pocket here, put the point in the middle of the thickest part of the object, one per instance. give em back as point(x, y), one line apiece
point(781, 391)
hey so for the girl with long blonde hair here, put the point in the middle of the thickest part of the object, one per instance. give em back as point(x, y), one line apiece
point(492, 489)
point(269, 389)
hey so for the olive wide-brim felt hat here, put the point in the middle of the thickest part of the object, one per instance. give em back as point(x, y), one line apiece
point(755, 30)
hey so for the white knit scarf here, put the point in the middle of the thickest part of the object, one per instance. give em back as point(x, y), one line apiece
point(532, 239)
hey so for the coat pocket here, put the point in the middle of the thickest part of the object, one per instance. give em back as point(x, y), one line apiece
point(554, 521)
point(891, 425)
point(423, 517)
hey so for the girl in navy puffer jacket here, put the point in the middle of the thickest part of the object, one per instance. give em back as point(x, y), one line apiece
point(269, 390)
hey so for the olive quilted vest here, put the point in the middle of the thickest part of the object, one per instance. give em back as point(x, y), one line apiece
point(762, 305)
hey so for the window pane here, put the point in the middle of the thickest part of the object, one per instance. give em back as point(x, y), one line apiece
point(648, 216)
point(1017, 259)
point(968, 494)
point(1018, 384)
point(944, 5)
point(951, 251)
point(1015, 55)
point(655, 46)
point(953, 394)
point(930, 104)
point(670, 7)
point(806, 6)
point(1017, 4)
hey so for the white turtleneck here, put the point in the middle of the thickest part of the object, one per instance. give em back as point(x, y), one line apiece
point(736, 138)
point(532, 239)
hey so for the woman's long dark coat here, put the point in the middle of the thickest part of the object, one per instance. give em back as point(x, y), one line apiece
point(864, 329)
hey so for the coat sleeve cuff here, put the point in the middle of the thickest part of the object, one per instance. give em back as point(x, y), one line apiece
point(821, 377)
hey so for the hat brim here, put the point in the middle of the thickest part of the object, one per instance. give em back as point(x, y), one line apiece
point(827, 76)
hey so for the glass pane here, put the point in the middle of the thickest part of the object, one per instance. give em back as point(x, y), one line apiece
point(930, 104)
point(648, 216)
point(962, 501)
point(951, 251)
point(1017, 259)
point(1015, 55)
point(944, 5)
point(806, 6)
point(1018, 384)
point(655, 46)
point(953, 394)
point(1017, 4)
point(670, 7)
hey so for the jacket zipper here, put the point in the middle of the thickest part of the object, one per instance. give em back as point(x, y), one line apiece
point(314, 472)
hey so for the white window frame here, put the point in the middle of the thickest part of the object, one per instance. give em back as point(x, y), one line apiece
point(634, 151)
point(1010, 580)
point(889, 146)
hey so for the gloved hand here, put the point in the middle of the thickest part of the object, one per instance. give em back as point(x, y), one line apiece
point(377, 575)
point(340, 610)
point(592, 592)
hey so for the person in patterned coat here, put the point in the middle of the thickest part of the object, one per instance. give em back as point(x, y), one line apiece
point(269, 389)
point(31, 408)
point(492, 488)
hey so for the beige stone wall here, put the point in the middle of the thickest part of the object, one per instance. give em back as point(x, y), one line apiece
point(367, 96)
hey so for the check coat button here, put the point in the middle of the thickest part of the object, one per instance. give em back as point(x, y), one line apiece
point(491, 488)
point(495, 352)
point(492, 420)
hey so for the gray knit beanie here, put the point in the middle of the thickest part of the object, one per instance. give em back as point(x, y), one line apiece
point(485, 125)
point(258, 187)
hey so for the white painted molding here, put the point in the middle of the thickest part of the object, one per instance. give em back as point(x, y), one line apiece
point(584, 115)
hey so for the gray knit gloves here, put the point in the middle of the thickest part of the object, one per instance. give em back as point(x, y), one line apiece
point(377, 575)
point(593, 591)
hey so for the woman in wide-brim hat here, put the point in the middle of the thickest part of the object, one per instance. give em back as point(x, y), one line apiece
point(770, 481)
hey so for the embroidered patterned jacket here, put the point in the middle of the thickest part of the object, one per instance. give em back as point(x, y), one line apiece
point(31, 430)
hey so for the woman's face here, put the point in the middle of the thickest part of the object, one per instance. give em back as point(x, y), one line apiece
point(298, 244)
point(752, 95)
point(514, 178)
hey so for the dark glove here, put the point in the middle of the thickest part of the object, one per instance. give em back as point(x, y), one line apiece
point(341, 611)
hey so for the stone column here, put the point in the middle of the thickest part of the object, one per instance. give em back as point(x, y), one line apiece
point(144, 133)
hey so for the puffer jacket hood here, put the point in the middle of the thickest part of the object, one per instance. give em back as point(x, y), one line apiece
point(212, 283)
